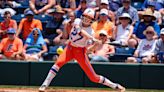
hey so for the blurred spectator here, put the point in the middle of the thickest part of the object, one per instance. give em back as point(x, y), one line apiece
point(27, 24)
point(145, 49)
point(41, 6)
point(148, 20)
point(92, 3)
point(67, 4)
point(156, 13)
point(123, 31)
point(159, 48)
point(162, 13)
point(35, 46)
point(158, 4)
point(7, 23)
point(79, 11)
point(9, 3)
point(12, 12)
point(114, 5)
point(13, 3)
point(101, 52)
point(104, 4)
point(54, 27)
point(12, 46)
point(103, 23)
point(127, 8)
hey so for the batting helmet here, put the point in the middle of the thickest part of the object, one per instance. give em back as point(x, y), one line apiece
point(89, 12)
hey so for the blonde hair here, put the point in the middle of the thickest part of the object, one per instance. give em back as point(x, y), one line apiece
point(149, 28)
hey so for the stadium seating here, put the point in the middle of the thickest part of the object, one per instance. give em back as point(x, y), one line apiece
point(52, 50)
point(160, 57)
point(1, 18)
point(121, 54)
point(137, 5)
point(18, 17)
point(43, 18)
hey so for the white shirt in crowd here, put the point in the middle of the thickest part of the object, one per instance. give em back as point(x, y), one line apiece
point(146, 47)
point(122, 33)
point(157, 14)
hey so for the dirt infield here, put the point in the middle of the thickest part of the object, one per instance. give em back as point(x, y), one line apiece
point(49, 90)
point(67, 89)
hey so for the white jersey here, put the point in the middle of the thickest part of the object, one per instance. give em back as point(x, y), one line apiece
point(75, 35)
point(146, 47)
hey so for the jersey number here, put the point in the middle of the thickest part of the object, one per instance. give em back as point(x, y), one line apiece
point(74, 33)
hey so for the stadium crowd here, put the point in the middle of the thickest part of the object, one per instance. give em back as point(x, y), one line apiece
point(38, 30)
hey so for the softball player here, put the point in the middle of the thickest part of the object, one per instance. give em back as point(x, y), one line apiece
point(76, 49)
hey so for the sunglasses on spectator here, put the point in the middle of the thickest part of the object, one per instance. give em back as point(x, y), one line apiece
point(35, 34)
point(10, 33)
point(71, 16)
point(102, 35)
point(149, 32)
point(6, 17)
point(126, 2)
point(103, 4)
point(124, 18)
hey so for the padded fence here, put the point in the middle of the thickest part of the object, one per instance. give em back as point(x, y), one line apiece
point(145, 76)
